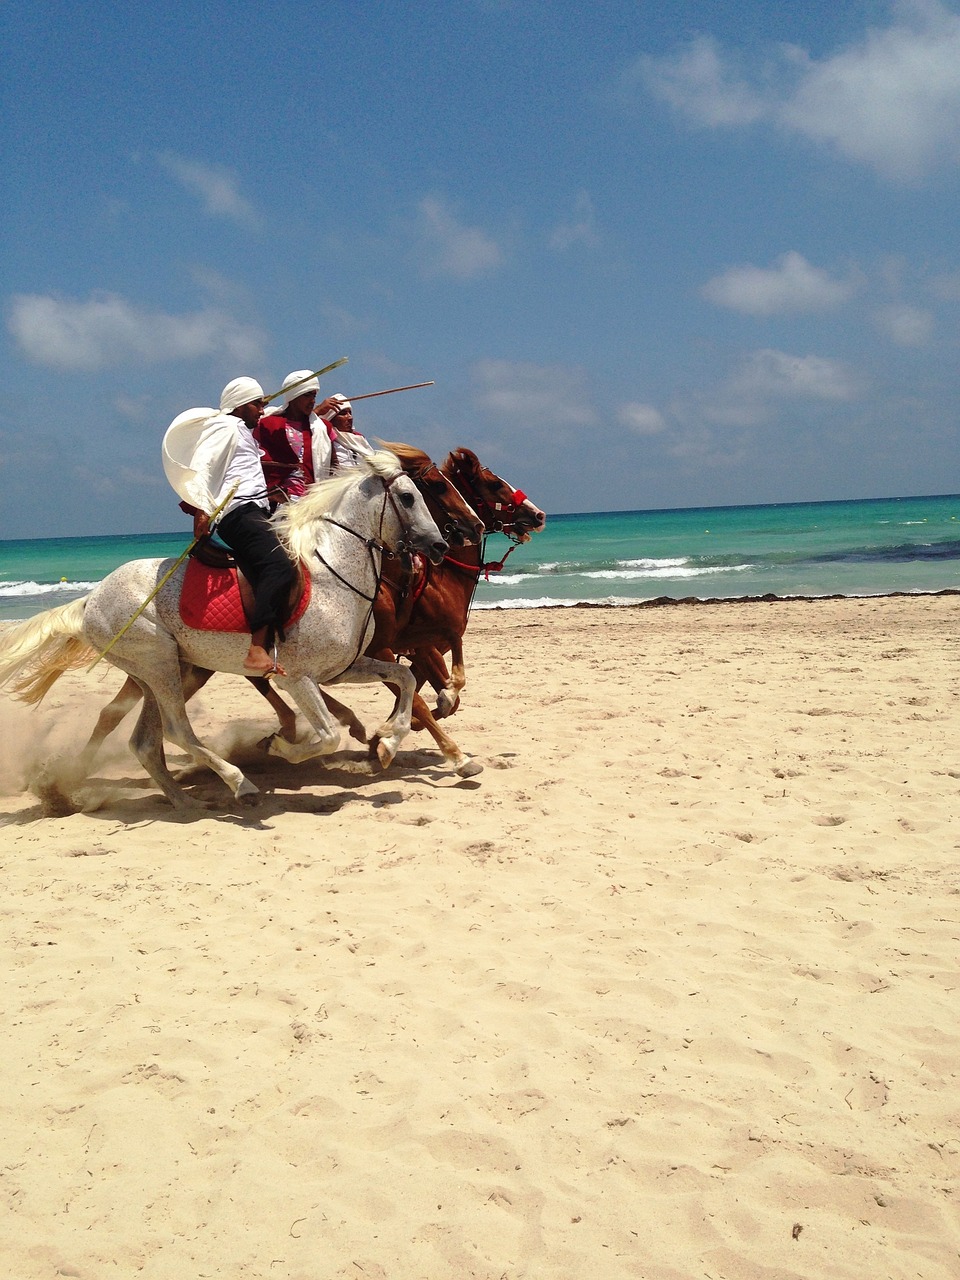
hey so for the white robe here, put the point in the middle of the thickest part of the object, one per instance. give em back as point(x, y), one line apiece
point(198, 449)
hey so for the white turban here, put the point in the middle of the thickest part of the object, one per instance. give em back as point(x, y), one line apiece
point(340, 403)
point(298, 383)
point(239, 392)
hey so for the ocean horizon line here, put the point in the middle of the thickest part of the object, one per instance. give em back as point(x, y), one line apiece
point(571, 515)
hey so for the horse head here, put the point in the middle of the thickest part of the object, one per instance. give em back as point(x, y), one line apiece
point(501, 507)
point(375, 501)
point(457, 521)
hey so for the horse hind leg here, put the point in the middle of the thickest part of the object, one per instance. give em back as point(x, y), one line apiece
point(147, 745)
point(111, 715)
point(163, 681)
point(463, 764)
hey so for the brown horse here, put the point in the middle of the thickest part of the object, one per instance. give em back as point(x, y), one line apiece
point(460, 526)
point(422, 614)
point(435, 621)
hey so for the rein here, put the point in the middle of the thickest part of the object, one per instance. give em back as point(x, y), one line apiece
point(490, 566)
point(372, 545)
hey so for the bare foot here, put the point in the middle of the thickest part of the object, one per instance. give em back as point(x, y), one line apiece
point(259, 663)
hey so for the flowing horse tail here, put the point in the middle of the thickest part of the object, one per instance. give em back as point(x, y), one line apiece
point(34, 655)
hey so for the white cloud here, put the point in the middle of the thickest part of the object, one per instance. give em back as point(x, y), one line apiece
point(774, 374)
point(766, 378)
point(906, 326)
point(452, 248)
point(696, 82)
point(108, 330)
point(891, 101)
point(217, 187)
point(641, 419)
point(581, 229)
point(792, 284)
point(533, 395)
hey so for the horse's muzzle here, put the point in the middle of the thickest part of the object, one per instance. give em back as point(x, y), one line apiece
point(436, 551)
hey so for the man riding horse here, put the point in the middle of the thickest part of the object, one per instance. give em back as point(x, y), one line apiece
point(213, 462)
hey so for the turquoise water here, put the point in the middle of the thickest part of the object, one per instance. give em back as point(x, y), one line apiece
point(869, 547)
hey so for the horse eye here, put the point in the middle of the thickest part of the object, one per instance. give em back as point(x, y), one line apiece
point(406, 499)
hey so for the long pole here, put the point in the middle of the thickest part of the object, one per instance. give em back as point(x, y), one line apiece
point(369, 395)
point(166, 577)
point(318, 373)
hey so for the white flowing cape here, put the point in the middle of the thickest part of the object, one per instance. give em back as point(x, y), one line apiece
point(197, 449)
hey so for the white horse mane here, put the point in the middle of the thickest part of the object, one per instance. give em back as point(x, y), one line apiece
point(297, 522)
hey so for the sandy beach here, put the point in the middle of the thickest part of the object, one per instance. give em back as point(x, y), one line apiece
point(668, 991)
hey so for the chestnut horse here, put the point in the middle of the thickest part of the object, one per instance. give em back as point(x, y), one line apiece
point(423, 614)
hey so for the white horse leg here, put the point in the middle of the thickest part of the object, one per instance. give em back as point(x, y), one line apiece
point(109, 718)
point(147, 745)
point(163, 681)
point(346, 717)
point(396, 727)
point(313, 705)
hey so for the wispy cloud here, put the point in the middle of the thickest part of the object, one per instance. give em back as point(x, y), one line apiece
point(905, 325)
point(533, 395)
point(701, 82)
point(450, 247)
point(891, 101)
point(581, 229)
point(641, 419)
point(217, 187)
point(791, 284)
point(107, 330)
point(766, 378)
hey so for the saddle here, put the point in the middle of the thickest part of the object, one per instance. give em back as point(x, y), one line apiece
point(217, 597)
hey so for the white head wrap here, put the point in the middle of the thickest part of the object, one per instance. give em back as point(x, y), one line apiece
point(298, 383)
point(340, 403)
point(238, 392)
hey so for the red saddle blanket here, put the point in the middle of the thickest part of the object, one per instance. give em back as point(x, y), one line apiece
point(210, 599)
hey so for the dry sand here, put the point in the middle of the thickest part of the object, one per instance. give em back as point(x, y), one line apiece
point(669, 991)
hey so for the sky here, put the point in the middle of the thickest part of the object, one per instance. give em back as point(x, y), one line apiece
point(696, 253)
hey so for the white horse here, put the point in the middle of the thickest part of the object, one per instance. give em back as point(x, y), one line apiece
point(339, 531)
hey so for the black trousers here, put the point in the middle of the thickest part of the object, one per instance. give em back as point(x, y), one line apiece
point(258, 551)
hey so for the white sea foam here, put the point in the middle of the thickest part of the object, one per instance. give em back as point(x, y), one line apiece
point(625, 575)
point(12, 590)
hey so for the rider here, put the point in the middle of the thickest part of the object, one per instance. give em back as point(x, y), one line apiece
point(205, 455)
point(296, 444)
point(349, 446)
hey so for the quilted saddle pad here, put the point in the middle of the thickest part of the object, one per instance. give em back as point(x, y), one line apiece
point(210, 599)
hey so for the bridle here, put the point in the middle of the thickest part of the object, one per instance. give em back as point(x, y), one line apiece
point(429, 470)
point(373, 546)
point(497, 517)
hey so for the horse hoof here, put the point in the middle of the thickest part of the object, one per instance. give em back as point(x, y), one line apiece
point(385, 754)
point(247, 793)
point(469, 769)
point(447, 704)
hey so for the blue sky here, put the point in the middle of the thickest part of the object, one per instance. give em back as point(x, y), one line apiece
point(675, 255)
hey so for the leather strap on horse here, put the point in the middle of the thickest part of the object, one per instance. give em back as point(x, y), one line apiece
point(491, 566)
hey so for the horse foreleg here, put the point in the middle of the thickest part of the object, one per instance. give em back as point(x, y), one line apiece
point(395, 728)
point(463, 764)
point(285, 714)
point(428, 664)
point(313, 704)
point(346, 717)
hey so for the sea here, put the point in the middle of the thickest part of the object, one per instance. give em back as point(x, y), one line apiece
point(867, 547)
